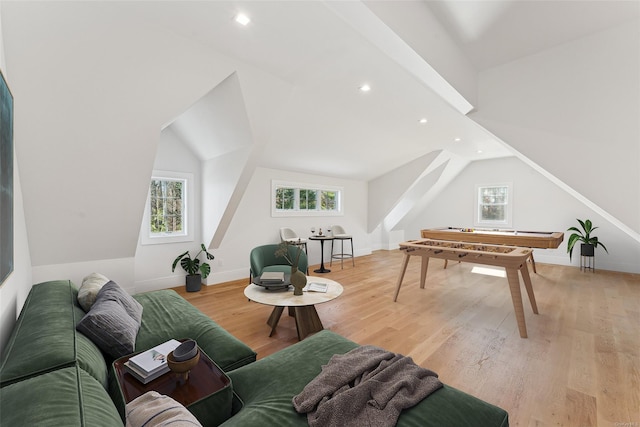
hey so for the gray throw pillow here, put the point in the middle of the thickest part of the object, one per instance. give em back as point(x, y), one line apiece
point(113, 292)
point(113, 321)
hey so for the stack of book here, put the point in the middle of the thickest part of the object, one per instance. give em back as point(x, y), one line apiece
point(149, 365)
point(272, 277)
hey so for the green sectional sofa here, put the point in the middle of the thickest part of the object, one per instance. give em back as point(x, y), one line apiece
point(52, 375)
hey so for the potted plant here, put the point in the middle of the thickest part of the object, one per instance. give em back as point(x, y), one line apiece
point(588, 242)
point(196, 271)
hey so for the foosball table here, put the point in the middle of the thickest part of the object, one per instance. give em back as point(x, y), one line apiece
point(495, 236)
point(512, 258)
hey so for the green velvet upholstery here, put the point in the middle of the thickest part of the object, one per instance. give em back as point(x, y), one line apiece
point(65, 397)
point(167, 315)
point(267, 386)
point(51, 374)
point(263, 258)
point(45, 337)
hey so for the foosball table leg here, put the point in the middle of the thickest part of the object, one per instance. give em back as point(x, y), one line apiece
point(516, 297)
point(533, 263)
point(402, 271)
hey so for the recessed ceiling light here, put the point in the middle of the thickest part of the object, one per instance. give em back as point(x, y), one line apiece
point(457, 139)
point(242, 19)
point(423, 120)
point(365, 88)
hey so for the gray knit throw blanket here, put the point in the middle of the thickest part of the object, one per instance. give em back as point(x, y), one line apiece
point(367, 386)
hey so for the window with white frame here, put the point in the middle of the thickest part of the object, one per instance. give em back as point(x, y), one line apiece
point(168, 214)
point(294, 199)
point(493, 205)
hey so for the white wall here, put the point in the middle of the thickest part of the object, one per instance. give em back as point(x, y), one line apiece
point(153, 262)
point(252, 226)
point(120, 270)
point(574, 110)
point(15, 288)
point(538, 205)
point(96, 148)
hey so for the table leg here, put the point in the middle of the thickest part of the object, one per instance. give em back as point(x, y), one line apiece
point(322, 269)
point(516, 297)
point(533, 262)
point(423, 270)
point(307, 321)
point(527, 284)
point(274, 318)
point(446, 263)
point(402, 271)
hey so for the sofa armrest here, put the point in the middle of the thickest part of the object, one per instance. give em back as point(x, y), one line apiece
point(44, 337)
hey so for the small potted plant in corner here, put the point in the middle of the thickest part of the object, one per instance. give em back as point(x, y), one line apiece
point(588, 242)
point(196, 271)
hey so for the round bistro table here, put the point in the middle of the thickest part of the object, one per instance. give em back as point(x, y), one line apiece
point(321, 239)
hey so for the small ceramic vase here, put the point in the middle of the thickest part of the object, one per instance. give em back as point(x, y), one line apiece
point(298, 279)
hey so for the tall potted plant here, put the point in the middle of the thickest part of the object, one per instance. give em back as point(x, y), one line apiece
point(588, 241)
point(196, 271)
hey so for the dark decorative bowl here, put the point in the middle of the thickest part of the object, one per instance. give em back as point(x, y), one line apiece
point(182, 368)
point(185, 351)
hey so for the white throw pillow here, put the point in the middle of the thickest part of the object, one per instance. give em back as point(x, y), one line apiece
point(91, 285)
point(155, 409)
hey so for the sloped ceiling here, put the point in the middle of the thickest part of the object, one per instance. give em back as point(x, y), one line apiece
point(217, 123)
point(494, 32)
point(95, 82)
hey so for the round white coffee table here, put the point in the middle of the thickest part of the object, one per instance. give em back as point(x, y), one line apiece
point(301, 307)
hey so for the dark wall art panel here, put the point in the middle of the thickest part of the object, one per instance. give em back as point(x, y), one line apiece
point(6, 180)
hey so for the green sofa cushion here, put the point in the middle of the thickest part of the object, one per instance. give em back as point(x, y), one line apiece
point(167, 315)
point(44, 337)
point(66, 397)
point(267, 386)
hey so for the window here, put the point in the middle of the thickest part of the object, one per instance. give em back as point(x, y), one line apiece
point(493, 205)
point(168, 216)
point(308, 200)
point(290, 199)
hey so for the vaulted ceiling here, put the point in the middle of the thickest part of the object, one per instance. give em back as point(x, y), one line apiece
point(420, 58)
point(95, 82)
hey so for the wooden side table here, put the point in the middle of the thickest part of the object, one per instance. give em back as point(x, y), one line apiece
point(207, 394)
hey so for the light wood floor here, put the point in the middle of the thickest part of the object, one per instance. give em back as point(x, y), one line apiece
point(580, 365)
